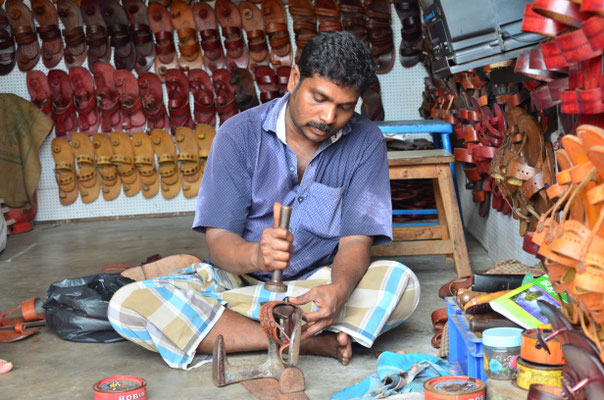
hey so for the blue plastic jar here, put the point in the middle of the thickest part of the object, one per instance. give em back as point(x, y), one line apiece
point(501, 351)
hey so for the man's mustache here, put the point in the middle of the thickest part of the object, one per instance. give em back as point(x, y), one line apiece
point(322, 126)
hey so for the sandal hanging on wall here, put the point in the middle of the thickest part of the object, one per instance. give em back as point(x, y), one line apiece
point(163, 30)
point(190, 52)
point(107, 97)
point(39, 91)
point(65, 171)
point(97, 37)
point(76, 48)
point(52, 43)
point(275, 20)
point(141, 33)
point(23, 25)
point(133, 119)
point(204, 109)
point(152, 97)
point(88, 181)
point(124, 56)
point(229, 18)
point(110, 180)
point(63, 110)
point(145, 163)
point(177, 86)
point(205, 20)
point(123, 159)
point(84, 100)
point(253, 23)
point(245, 91)
point(188, 155)
point(163, 147)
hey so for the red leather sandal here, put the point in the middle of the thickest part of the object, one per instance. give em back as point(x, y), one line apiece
point(225, 94)
point(152, 97)
point(63, 110)
point(107, 97)
point(204, 109)
point(133, 119)
point(230, 21)
point(39, 91)
point(205, 20)
point(267, 83)
point(178, 103)
point(84, 99)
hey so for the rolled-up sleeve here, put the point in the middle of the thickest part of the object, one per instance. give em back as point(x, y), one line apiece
point(224, 197)
point(367, 206)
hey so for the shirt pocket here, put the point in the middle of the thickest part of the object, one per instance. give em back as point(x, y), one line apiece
point(322, 210)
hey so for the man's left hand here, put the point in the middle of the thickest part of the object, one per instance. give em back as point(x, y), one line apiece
point(329, 298)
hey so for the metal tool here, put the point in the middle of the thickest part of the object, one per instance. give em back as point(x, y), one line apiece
point(281, 322)
point(276, 282)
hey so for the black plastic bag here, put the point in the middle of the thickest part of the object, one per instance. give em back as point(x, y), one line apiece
point(77, 307)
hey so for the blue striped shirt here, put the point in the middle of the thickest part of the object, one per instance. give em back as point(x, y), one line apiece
point(345, 189)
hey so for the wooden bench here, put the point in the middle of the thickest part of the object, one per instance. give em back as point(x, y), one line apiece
point(448, 236)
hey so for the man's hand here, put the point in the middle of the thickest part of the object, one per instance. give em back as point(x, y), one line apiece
point(275, 246)
point(330, 299)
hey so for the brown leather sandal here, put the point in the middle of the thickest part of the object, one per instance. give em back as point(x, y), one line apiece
point(65, 171)
point(380, 34)
point(328, 15)
point(163, 30)
point(353, 19)
point(123, 159)
point(107, 97)
point(305, 23)
point(267, 83)
point(225, 94)
point(205, 20)
point(190, 52)
point(253, 23)
point(152, 96)
point(88, 181)
point(205, 135)
point(84, 99)
point(204, 109)
point(7, 45)
point(166, 158)
point(110, 181)
point(22, 22)
point(52, 43)
point(275, 20)
point(39, 91)
point(177, 86)
point(97, 37)
point(145, 163)
point(63, 110)
point(372, 107)
point(245, 91)
point(133, 119)
point(76, 48)
point(188, 155)
point(229, 18)
point(283, 74)
point(115, 17)
point(142, 37)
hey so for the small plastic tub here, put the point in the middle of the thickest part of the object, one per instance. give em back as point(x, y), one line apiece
point(501, 351)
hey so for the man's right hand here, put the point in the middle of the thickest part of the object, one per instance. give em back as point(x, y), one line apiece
point(275, 246)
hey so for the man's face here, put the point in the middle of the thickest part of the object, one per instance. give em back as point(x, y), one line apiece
point(319, 108)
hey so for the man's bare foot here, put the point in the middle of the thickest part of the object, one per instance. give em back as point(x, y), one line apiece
point(162, 267)
point(329, 344)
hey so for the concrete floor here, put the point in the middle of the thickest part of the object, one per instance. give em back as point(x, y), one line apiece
point(46, 367)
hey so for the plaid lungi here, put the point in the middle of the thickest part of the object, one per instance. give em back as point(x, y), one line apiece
point(173, 314)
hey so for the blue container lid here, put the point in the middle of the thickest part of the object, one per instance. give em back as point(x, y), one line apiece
point(502, 337)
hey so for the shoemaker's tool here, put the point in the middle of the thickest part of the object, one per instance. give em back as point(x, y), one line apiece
point(276, 282)
point(281, 322)
point(454, 388)
point(123, 387)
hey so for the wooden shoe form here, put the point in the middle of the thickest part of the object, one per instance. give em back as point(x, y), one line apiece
point(205, 19)
point(88, 181)
point(188, 155)
point(76, 48)
point(52, 43)
point(230, 21)
point(145, 164)
point(164, 149)
point(97, 35)
point(163, 31)
point(275, 20)
point(253, 23)
point(123, 159)
point(65, 171)
point(190, 52)
point(110, 181)
point(24, 30)
point(205, 135)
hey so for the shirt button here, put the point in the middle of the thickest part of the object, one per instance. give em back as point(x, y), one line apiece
point(292, 169)
point(300, 199)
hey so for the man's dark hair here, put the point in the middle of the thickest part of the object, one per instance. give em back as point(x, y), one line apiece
point(339, 57)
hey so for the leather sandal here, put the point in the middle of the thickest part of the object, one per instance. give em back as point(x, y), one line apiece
point(115, 17)
point(411, 31)
point(133, 118)
point(97, 36)
point(177, 86)
point(283, 73)
point(65, 173)
point(229, 18)
point(63, 110)
point(328, 14)
point(204, 109)
point(7, 45)
point(142, 36)
point(39, 91)
point(152, 98)
point(305, 23)
point(52, 43)
point(267, 83)
point(225, 94)
point(253, 23)
point(190, 52)
point(380, 34)
point(245, 91)
point(107, 97)
point(372, 107)
point(451, 288)
point(76, 48)
point(110, 180)
point(353, 19)
point(32, 316)
point(123, 159)
point(145, 163)
point(88, 181)
point(84, 100)
point(24, 30)
point(163, 30)
point(275, 20)
point(188, 155)
point(205, 20)
point(205, 135)
point(163, 146)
